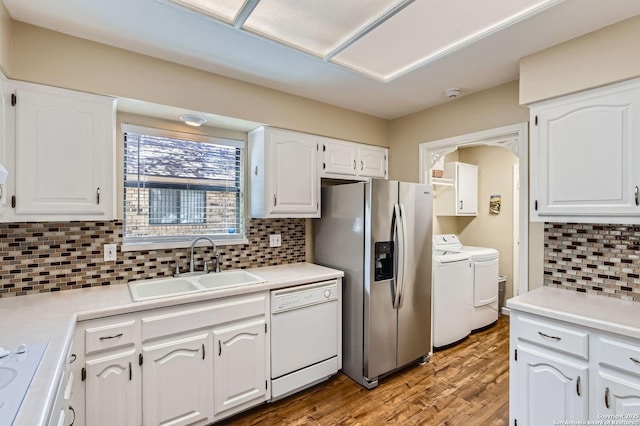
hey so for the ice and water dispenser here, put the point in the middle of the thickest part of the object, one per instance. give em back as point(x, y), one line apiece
point(384, 260)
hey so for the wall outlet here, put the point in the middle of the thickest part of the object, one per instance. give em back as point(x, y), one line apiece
point(110, 252)
point(275, 240)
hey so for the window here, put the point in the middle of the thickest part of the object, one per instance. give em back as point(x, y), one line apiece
point(180, 185)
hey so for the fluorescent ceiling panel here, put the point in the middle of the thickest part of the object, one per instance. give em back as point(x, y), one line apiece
point(315, 26)
point(429, 29)
point(224, 10)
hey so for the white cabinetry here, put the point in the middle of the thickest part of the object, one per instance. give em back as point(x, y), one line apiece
point(239, 367)
point(564, 372)
point(284, 173)
point(177, 380)
point(63, 155)
point(584, 156)
point(459, 195)
point(342, 159)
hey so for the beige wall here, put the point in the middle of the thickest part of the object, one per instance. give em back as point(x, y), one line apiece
point(6, 40)
point(601, 57)
point(495, 107)
point(56, 59)
point(495, 177)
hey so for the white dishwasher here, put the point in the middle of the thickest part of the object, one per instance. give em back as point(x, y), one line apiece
point(305, 336)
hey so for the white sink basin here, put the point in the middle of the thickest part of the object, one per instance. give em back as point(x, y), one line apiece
point(228, 279)
point(167, 287)
point(153, 289)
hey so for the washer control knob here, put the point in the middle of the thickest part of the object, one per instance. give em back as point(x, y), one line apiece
point(327, 294)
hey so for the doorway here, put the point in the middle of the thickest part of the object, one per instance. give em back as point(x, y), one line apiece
point(513, 138)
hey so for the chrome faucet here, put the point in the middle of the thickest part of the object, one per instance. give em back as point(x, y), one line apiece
point(215, 253)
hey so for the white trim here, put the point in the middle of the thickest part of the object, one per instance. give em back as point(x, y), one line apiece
point(194, 137)
point(514, 138)
point(178, 244)
point(516, 230)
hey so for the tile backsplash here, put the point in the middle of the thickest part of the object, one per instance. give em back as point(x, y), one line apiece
point(53, 256)
point(593, 258)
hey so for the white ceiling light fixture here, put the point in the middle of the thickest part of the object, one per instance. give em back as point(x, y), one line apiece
point(452, 92)
point(193, 120)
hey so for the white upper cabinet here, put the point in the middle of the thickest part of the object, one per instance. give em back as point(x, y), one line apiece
point(284, 173)
point(457, 191)
point(583, 156)
point(64, 155)
point(342, 159)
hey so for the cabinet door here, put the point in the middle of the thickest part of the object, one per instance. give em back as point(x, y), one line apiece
point(295, 183)
point(64, 154)
point(467, 189)
point(372, 162)
point(549, 389)
point(618, 395)
point(338, 158)
point(113, 390)
point(583, 156)
point(240, 364)
point(177, 381)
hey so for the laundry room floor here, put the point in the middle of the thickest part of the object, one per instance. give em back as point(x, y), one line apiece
point(464, 385)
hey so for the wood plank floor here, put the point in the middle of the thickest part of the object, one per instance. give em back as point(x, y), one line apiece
point(464, 385)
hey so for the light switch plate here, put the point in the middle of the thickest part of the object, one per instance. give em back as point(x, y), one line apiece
point(275, 240)
point(110, 252)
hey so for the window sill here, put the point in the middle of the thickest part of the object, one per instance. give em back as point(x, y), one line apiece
point(178, 244)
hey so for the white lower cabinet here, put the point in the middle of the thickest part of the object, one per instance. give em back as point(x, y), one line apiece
point(177, 380)
point(563, 372)
point(191, 364)
point(113, 389)
point(239, 365)
point(550, 389)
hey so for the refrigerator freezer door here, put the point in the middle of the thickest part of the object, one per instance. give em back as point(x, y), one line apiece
point(414, 314)
point(380, 317)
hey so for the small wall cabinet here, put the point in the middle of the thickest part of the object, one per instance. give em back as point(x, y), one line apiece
point(457, 191)
point(284, 173)
point(342, 159)
point(584, 156)
point(562, 372)
point(61, 156)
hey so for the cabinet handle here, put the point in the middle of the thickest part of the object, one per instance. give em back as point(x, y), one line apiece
point(203, 351)
point(130, 373)
point(255, 172)
point(219, 348)
point(274, 200)
point(461, 204)
point(556, 338)
point(74, 415)
point(578, 390)
point(354, 165)
point(72, 358)
point(361, 165)
point(115, 336)
point(606, 397)
point(98, 195)
point(635, 192)
point(637, 361)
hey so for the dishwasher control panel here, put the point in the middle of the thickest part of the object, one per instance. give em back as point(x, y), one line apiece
point(298, 297)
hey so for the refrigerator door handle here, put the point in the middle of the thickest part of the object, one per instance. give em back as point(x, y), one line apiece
point(399, 231)
point(403, 259)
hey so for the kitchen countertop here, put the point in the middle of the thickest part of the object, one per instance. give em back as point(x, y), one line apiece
point(51, 317)
point(589, 310)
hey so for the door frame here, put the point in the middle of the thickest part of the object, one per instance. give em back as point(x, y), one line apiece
point(515, 138)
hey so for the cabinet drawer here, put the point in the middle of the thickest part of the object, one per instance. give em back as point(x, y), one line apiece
point(617, 353)
point(108, 336)
point(553, 335)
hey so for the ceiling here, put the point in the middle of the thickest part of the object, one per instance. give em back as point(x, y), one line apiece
point(387, 58)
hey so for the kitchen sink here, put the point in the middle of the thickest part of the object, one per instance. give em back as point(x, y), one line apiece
point(228, 279)
point(153, 289)
point(167, 287)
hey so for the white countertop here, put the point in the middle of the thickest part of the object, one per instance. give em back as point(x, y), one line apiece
point(51, 317)
point(598, 312)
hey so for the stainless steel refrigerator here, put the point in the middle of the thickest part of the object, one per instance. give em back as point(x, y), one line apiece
point(379, 234)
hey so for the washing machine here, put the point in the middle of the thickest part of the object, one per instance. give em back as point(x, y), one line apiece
point(452, 282)
point(485, 266)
